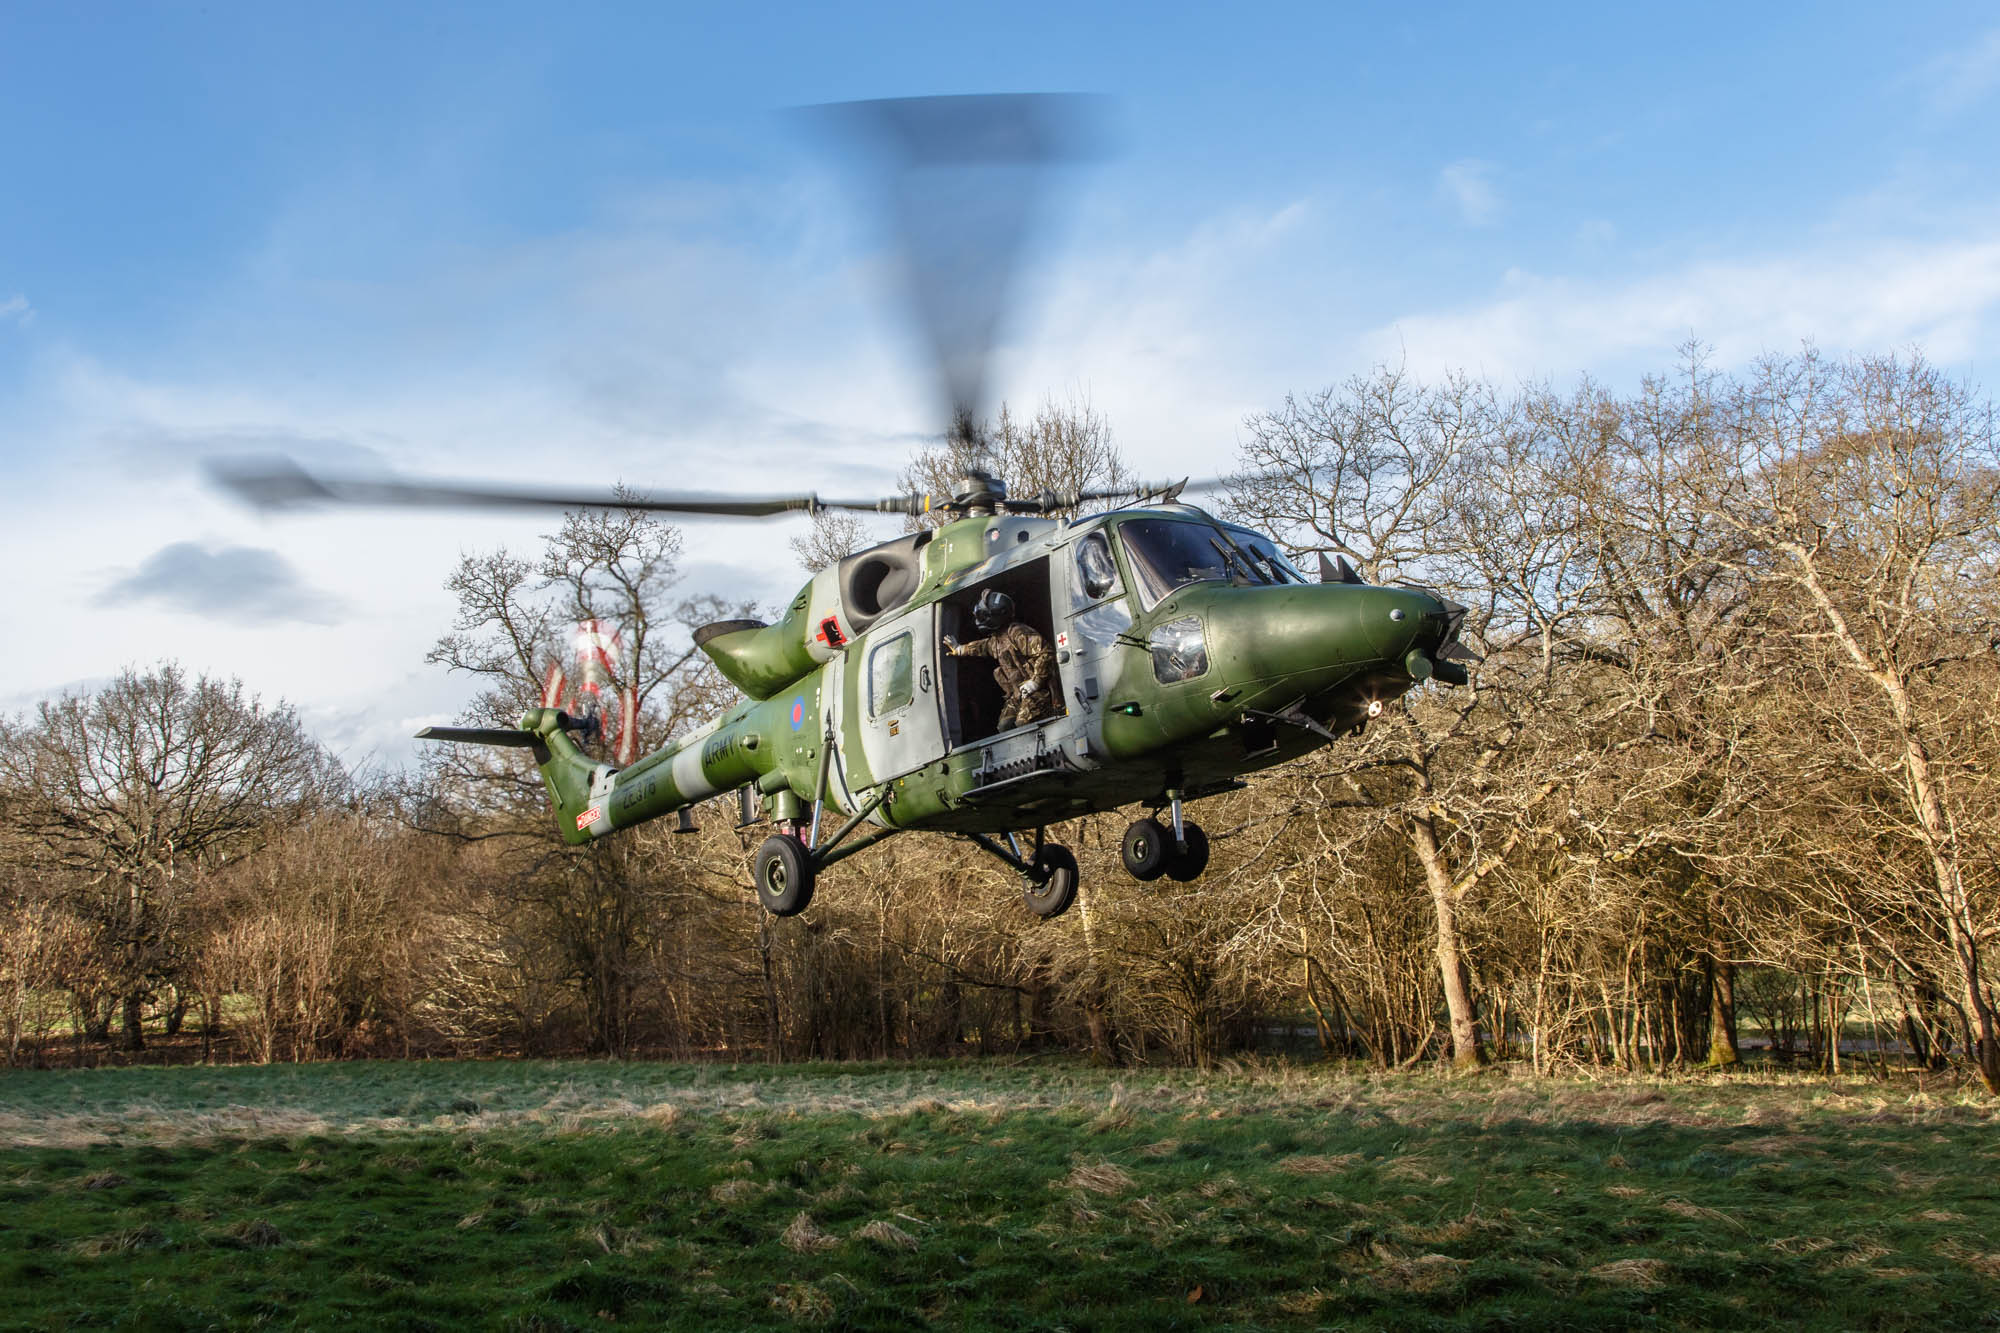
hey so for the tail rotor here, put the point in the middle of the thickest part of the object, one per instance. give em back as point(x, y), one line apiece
point(591, 686)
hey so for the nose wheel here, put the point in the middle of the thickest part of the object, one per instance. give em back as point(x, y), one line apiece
point(1145, 850)
point(1186, 862)
point(1152, 849)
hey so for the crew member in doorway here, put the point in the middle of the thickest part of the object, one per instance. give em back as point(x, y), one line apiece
point(1022, 663)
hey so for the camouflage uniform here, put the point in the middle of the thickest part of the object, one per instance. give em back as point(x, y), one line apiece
point(1021, 657)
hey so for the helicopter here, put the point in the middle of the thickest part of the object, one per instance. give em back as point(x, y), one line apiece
point(1189, 652)
point(1185, 651)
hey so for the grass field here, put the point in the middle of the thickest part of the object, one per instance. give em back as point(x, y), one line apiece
point(580, 1195)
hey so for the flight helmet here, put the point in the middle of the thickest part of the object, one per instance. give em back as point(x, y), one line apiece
point(994, 611)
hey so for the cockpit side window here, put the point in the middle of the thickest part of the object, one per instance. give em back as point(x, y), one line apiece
point(1096, 574)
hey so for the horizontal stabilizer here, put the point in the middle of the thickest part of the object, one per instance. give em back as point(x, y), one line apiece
point(525, 740)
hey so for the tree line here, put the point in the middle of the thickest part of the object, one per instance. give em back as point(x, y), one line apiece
point(1724, 775)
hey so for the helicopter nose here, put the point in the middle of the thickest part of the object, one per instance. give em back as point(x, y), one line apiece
point(1312, 636)
point(1408, 626)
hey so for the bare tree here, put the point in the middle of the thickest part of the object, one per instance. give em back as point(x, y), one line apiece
point(620, 567)
point(1445, 485)
point(586, 920)
point(617, 566)
point(1868, 490)
point(135, 786)
point(1064, 448)
point(1364, 469)
point(1674, 637)
point(832, 537)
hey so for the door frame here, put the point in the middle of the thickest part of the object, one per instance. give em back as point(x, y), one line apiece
point(905, 738)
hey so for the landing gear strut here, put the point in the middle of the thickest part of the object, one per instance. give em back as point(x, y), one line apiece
point(788, 863)
point(1048, 876)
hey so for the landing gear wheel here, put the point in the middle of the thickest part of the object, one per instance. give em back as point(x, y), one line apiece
point(1187, 863)
point(1051, 884)
point(1146, 848)
point(784, 873)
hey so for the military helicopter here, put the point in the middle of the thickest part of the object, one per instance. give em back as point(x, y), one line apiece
point(1184, 652)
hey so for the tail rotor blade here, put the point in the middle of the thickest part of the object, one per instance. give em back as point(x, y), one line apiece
point(507, 736)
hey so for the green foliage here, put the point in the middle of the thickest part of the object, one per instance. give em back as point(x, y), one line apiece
point(565, 1196)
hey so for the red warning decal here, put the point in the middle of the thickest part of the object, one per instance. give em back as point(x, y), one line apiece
point(589, 817)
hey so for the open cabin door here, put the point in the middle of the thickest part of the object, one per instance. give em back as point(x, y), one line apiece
point(893, 696)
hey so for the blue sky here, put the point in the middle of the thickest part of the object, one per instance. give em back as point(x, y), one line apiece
point(533, 240)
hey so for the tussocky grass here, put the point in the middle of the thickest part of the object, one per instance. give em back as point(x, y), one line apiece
point(571, 1195)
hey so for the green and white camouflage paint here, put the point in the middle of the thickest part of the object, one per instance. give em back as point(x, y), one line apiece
point(1131, 731)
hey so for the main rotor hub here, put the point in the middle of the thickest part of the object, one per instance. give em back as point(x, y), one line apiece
point(978, 494)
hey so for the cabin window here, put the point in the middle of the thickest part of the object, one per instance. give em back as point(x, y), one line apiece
point(1102, 623)
point(889, 675)
point(1096, 573)
point(1178, 650)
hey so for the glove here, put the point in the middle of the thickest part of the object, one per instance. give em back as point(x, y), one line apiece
point(951, 647)
point(1029, 687)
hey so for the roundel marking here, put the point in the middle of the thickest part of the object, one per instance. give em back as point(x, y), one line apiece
point(799, 713)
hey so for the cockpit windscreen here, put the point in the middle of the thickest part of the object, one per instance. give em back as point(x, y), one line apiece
point(1264, 554)
point(1166, 554)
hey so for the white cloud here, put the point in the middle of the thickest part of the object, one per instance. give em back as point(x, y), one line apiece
point(1467, 185)
point(1962, 78)
point(1868, 298)
point(17, 309)
point(249, 585)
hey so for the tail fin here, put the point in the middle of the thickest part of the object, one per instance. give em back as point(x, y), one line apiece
point(567, 772)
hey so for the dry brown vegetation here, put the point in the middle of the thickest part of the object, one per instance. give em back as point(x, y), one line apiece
point(1724, 780)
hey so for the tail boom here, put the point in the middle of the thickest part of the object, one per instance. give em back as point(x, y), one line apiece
point(592, 799)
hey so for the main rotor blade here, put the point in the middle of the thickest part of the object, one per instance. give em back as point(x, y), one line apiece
point(958, 180)
point(1170, 490)
point(1050, 502)
point(278, 483)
